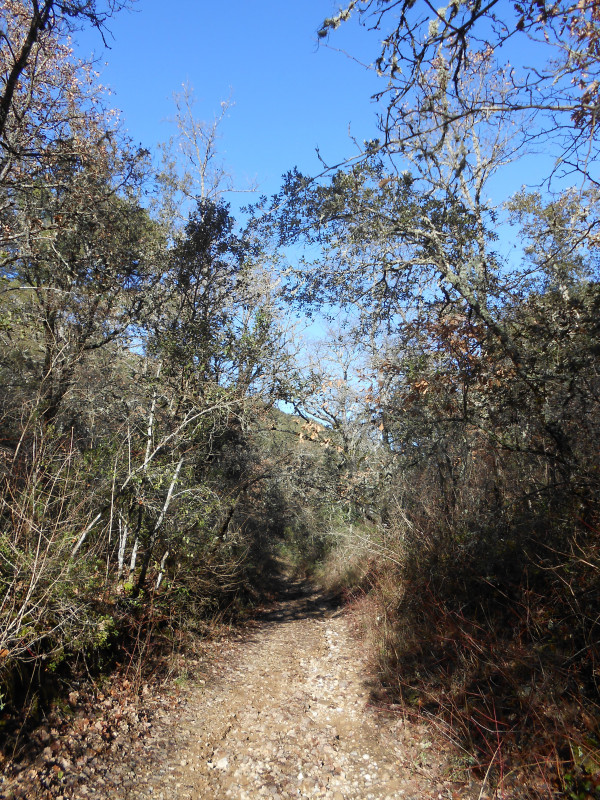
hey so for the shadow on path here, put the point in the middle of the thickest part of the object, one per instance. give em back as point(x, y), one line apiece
point(297, 598)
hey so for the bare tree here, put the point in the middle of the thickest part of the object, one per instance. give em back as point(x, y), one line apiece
point(28, 25)
point(192, 168)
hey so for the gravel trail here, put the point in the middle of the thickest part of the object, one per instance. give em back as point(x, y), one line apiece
point(282, 713)
point(288, 717)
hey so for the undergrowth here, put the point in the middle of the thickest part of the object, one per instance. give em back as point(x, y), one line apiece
point(500, 643)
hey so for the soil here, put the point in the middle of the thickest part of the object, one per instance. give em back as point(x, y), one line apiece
point(283, 711)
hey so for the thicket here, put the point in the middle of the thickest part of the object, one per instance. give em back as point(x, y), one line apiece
point(144, 474)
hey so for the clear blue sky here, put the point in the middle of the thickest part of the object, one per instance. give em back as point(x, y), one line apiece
point(291, 95)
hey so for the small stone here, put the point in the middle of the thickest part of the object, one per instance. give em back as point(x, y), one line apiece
point(222, 763)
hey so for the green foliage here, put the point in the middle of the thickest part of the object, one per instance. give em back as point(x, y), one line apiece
point(139, 365)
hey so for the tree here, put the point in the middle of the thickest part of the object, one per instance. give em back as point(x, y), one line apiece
point(36, 109)
point(29, 25)
point(79, 267)
point(191, 168)
point(556, 86)
point(77, 253)
point(218, 326)
point(408, 233)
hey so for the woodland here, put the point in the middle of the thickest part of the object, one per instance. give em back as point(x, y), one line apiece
point(167, 437)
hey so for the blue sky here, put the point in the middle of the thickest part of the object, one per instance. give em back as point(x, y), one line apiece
point(291, 95)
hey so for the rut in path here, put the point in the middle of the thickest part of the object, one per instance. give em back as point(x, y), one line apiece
point(287, 716)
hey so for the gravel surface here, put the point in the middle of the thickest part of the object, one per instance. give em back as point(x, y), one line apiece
point(284, 714)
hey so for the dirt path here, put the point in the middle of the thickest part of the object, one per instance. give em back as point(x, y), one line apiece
point(284, 714)
point(288, 717)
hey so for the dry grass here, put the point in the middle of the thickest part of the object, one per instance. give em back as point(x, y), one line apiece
point(508, 660)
